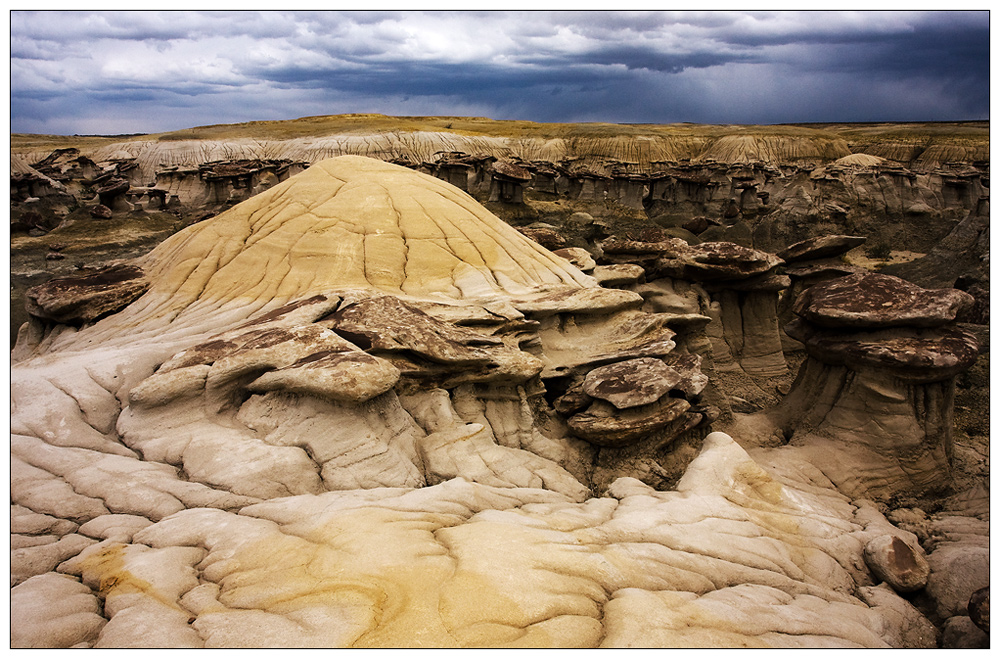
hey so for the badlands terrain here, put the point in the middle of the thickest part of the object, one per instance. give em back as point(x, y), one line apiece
point(366, 381)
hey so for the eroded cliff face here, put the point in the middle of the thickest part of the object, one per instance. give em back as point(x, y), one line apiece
point(360, 410)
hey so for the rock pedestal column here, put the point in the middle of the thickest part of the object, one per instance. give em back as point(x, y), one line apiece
point(875, 395)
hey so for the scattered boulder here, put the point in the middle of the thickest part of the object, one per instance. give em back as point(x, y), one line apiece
point(960, 633)
point(101, 212)
point(897, 563)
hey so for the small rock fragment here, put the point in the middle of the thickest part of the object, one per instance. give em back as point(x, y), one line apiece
point(896, 563)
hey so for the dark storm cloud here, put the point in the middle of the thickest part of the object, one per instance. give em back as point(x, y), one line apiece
point(151, 71)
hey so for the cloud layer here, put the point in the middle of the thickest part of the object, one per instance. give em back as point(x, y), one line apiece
point(124, 72)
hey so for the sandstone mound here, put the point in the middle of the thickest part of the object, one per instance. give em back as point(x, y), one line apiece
point(860, 160)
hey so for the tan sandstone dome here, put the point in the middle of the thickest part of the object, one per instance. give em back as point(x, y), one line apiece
point(352, 223)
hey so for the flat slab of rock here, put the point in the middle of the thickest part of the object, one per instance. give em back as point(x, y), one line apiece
point(578, 256)
point(577, 300)
point(85, 298)
point(423, 346)
point(824, 270)
point(631, 383)
point(618, 274)
point(613, 428)
point(716, 261)
point(914, 355)
point(874, 300)
point(351, 376)
point(821, 247)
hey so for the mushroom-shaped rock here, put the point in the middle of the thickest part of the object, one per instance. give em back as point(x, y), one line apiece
point(877, 386)
point(915, 355)
point(635, 398)
point(742, 289)
point(898, 564)
point(873, 300)
point(112, 194)
point(508, 169)
point(85, 298)
point(820, 247)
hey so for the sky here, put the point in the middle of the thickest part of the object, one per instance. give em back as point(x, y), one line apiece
point(143, 72)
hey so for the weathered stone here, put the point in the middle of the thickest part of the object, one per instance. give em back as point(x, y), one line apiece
point(627, 246)
point(85, 298)
point(578, 256)
point(574, 400)
point(825, 270)
point(631, 383)
point(874, 300)
point(961, 633)
point(618, 274)
point(547, 238)
point(389, 326)
point(979, 608)
point(897, 563)
point(913, 355)
point(351, 376)
point(693, 381)
point(577, 301)
point(821, 247)
point(604, 425)
point(716, 261)
point(100, 212)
